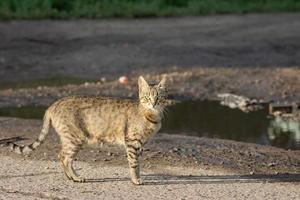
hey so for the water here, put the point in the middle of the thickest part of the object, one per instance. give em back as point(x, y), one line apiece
point(210, 119)
point(52, 81)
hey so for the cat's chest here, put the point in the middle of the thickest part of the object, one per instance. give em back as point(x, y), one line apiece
point(154, 127)
point(150, 130)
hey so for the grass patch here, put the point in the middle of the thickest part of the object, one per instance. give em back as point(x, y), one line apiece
point(60, 9)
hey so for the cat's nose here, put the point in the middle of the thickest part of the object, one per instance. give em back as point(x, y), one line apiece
point(152, 105)
point(154, 101)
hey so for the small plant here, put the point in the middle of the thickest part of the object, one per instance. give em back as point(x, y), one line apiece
point(36, 9)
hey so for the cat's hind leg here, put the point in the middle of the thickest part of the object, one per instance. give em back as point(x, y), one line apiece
point(69, 150)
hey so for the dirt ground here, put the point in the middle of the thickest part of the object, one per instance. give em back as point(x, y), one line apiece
point(267, 85)
point(43, 180)
point(251, 55)
point(109, 48)
point(173, 166)
point(31, 179)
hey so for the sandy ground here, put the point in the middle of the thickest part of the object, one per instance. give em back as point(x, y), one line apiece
point(173, 167)
point(169, 150)
point(44, 180)
point(251, 55)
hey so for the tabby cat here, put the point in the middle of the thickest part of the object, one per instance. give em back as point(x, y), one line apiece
point(87, 120)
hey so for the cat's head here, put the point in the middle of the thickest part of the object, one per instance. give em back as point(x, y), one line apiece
point(152, 97)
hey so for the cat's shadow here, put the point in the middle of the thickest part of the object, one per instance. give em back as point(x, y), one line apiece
point(162, 179)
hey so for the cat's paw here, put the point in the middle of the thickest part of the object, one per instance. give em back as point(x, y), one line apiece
point(78, 180)
point(137, 181)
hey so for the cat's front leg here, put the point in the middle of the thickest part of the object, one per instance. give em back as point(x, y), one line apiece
point(133, 149)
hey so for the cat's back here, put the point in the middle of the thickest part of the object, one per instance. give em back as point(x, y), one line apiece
point(74, 104)
point(95, 119)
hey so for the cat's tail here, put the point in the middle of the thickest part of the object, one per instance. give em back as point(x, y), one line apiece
point(29, 148)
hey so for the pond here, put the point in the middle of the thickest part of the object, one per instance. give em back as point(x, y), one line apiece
point(210, 119)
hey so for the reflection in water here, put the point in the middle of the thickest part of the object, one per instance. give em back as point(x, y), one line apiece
point(210, 119)
point(284, 132)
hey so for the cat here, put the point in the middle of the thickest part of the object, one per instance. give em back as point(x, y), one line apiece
point(80, 120)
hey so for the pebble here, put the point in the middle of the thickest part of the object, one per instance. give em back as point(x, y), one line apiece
point(124, 80)
point(103, 79)
point(109, 153)
point(175, 149)
point(271, 164)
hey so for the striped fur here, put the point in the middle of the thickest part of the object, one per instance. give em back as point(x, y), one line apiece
point(31, 147)
point(87, 120)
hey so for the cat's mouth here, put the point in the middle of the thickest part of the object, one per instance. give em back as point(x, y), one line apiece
point(157, 108)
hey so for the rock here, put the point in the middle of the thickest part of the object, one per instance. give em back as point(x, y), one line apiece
point(109, 153)
point(174, 150)
point(124, 80)
point(271, 164)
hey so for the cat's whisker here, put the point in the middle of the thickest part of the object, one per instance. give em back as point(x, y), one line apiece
point(166, 110)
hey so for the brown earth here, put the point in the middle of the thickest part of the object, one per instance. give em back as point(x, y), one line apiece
point(279, 85)
point(168, 150)
point(110, 48)
point(229, 168)
point(251, 55)
point(255, 55)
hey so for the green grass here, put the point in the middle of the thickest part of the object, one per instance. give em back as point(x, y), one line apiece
point(37, 9)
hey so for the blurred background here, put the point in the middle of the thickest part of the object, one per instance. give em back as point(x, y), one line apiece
point(251, 48)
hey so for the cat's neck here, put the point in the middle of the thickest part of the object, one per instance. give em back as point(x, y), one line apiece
point(152, 115)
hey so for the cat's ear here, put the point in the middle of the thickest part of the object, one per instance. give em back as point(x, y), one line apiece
point(142, 84)
point(162, 83)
